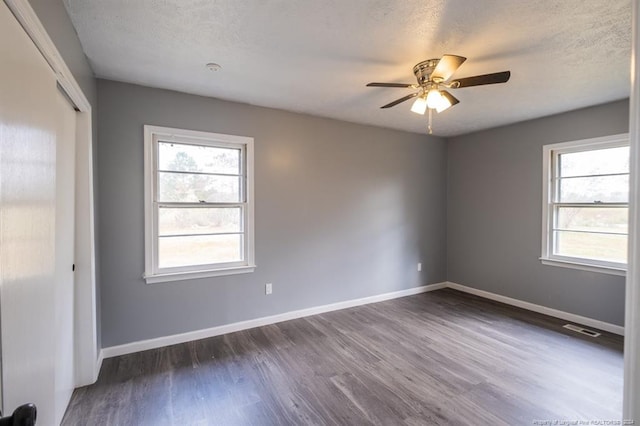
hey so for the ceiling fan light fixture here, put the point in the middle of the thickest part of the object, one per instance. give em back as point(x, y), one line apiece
point(443, 105)
point(434, 98)
point(433, 81)
point(448, 100)
point(420, 105)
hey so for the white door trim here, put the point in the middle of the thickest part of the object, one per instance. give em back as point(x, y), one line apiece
point(85, 293)
point(631, 394)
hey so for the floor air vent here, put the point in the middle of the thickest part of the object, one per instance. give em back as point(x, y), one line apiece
point(581, 330)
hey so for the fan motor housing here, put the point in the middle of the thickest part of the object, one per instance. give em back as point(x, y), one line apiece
point(424, 69)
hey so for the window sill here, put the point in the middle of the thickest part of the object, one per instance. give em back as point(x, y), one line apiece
point(583, 266)
point(181, 276)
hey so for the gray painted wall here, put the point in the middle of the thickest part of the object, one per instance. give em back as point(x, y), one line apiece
point(57, 23)
point(495, 214)
point(343, 211)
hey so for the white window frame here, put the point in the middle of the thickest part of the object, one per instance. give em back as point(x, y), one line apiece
point(155, 134)
point(550, 153)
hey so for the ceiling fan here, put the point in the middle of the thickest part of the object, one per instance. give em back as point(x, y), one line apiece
point(433, 77)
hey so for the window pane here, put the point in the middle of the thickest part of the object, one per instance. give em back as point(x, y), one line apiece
point(188, 188)
point(199, 250)
point(597, 162)
point(196, 158)
point(610, 248)
point(590, 189)
point(199, 220)
point(595, 219)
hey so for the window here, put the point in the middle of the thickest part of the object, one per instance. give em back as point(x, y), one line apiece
point(585, 204)
point(198, 204)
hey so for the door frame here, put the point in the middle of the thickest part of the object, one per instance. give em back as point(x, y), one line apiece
point(631, 394)
point(87, 350)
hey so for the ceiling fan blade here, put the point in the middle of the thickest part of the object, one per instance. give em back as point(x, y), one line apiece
point(479, 80)
point(398, 101)
point(447, 65)
point(405, 85)
point(449, 97)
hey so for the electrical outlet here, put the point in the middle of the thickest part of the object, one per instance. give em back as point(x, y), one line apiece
point(419, 267)
point(268, 288)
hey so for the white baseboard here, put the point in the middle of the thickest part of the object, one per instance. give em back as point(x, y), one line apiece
point(601, 325)
point(159, 342)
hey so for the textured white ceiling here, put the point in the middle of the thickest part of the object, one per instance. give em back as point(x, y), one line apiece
point(315, 56)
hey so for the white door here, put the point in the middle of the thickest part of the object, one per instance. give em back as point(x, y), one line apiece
point(29, 129)
point(65, 236)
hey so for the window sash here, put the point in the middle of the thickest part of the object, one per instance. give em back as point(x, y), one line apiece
point(155, 135)
point(214, 144)
point(551, 203)
point(159, 204)
point(556, 232)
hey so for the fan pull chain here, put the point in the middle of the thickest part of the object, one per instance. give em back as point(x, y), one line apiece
point(429, 126)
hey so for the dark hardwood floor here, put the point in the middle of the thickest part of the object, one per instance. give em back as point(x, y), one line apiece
point(443, 357)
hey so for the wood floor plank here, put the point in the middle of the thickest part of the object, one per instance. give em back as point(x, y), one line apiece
point(439, 358)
